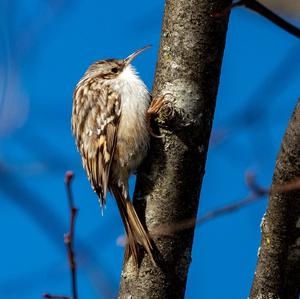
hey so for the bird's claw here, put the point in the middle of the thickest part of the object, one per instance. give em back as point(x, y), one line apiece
point(156, 105)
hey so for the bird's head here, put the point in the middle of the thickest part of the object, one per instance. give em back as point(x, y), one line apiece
point(112, 68)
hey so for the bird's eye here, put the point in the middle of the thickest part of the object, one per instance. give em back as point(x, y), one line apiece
point(114, 69)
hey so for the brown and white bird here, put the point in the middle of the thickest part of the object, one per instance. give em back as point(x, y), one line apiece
point(109, 122)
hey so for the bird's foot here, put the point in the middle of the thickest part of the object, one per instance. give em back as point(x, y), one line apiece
point(158, 104)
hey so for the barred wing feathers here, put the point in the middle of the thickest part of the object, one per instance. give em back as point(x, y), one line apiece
point(95, 120)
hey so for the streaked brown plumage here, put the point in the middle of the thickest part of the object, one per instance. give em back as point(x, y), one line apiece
point(109, 123)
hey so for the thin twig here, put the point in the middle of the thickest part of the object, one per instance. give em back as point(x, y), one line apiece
point(47, 219)
point(68, 179)
point(54, 296)
point(69, 237)
point(270, 15)
point(256, 193)
point(69, 240)
point(290, 186)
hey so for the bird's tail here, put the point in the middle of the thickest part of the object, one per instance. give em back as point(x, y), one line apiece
point(135, 231)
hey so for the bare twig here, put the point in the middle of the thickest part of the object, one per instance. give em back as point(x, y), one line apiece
point(270, 15)
point(256, 193)
point(54, 296)
point(68, 179)
point(69, 240)
point(47, 219)
point(69, 237)
point(263, 11)
point(290, 186)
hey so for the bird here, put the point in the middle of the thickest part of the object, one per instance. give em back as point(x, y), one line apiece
point(110, 123)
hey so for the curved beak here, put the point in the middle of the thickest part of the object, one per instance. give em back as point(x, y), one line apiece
point(135, 54)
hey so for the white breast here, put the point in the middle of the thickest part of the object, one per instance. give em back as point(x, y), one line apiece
point(134, 94)
point(133, 136)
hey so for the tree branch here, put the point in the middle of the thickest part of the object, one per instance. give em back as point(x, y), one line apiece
point(278, 268)
point(270, 15)
point(168, 184)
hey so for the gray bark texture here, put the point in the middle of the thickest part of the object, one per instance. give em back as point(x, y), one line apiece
point(278, 268)
point(169, 181)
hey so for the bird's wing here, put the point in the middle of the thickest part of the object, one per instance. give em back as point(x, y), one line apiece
point(95, 121)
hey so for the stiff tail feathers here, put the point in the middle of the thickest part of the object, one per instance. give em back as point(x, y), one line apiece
point(135, 231)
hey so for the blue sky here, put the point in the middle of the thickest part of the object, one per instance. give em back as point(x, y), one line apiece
point(45, 48)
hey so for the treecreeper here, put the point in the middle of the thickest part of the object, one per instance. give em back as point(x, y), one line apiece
point(110, 123)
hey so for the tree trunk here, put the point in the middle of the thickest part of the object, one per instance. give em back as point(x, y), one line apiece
point(278, 269)
point(168, 184)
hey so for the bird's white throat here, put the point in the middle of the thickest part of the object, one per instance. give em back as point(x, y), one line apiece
point(133, 92)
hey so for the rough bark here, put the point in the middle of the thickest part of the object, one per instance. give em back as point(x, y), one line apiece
point(278, 268)
point(168, 184)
